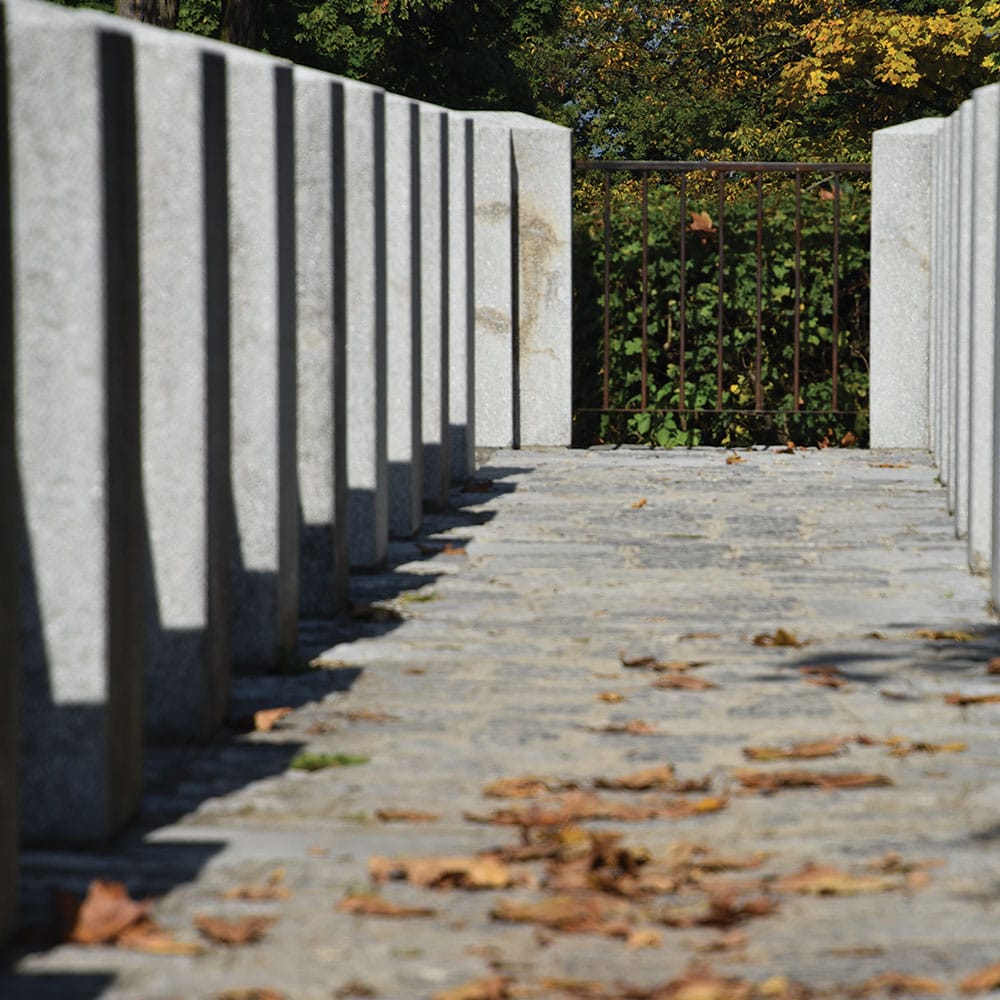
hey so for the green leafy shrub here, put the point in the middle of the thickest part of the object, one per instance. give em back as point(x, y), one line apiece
point(719, 401)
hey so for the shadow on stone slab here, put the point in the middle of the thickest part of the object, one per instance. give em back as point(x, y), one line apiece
point(61, 986)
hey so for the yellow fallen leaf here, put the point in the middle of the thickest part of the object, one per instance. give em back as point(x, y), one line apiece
point(640, 503)
point(826, 880)
point(982, 981)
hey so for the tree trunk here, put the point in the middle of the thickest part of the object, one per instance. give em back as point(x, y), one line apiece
point(243, 22)
point(162, 13)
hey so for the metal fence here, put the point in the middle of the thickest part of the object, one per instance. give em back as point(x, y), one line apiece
point(730, 290)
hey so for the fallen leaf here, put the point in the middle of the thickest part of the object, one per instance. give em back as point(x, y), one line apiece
point(683, 682)
point(661, 666)
point(106, 911)
point(491, 988)
point(700, 635)
point(594, 913)
point(633, 727)
point(368, 715)
point(527, 786)
point(780, 637)
point(577, 807)
point(993, 667)
point(889, 465)
point(950, 635)
point(875, 635)
point(453, 550)
point(271, 889)
point(899, 984)
point(734, 459)
point(700, 984)
point(374, 613)
point(971, 699)
point(611, 697)
point(266, 719)
point(823, 677)
point(370, 905)
point(355, 988)
point(641, 781)
point(477, 486)
point(148, 937)
point(771, 781)
point(641, 502)
point(251, 994)
point(390, 815)
point(701, 222)
point(797, 751)
point(732, 941)
point(643, 939)
point(848, 440)
point(718, 911)
point(415, 671)
point(243, 930)
point(482, 871)
point(982, 981)
point(826, 880)
point(906, 749)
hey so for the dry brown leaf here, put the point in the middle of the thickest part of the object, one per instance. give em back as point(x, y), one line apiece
point(272, 888)
point(683, 682)
point(829, 677)
point(491, 988)
point(948, 634)
point(528, 786)
point(826, 880)
point(899, 984)
point(701, 222)
point(451, 549)
point(250, 994)
point(906, 749)
point(661, 666)
point(633, 727)
point(643, 939)
point(797, 751)
point(482, 871)
point(266, 719)
point(390, 815)
point(597, 913)
point(780, 637)
point(848, 440)
point(640, 503)
point(971, 699)
point(368, 715)
point(611, 697)
point(734, 459)
point(355, 988)
point(243, 930)
point(889, 465)
point(731, 941)
point(771, 781)
point(106, 912)
point(147, 936)
point(370, 905)
point(700, 635)
point(718, 911)
point(641, 781)
point(477, 486)
point(982, 981)
point(700, 984)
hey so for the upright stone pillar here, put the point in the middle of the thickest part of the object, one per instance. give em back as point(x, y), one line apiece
point(985, 232)
point(262, 357)
point(364, 250)
point(900, 283)
point(494, 282)
point(320, 343)
point(71, 117)
point(952, 195)
point(434, 270)
point(959, 485)
point(10, 517)
point(461, 297)
point(181, 90)
point(543, 169)
point(403, 298)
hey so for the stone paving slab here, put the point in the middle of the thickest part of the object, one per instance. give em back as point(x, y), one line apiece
point(491, 661)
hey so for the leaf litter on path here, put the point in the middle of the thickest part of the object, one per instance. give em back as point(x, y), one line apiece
point(772, 781)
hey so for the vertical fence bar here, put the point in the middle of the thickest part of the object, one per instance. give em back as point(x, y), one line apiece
point(682, 361)
point(607, 289)
point(798, 289)
point(759, 357)
point(645, 289)
point(835, 319)
point(722, 287)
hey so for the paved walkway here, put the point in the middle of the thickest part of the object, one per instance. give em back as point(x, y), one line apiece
point(495, 650)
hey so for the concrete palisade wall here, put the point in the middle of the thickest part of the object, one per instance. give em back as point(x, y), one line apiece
point(252, 318)
point(934, 307)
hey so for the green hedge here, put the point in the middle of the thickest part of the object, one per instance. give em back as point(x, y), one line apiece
point(661, 423)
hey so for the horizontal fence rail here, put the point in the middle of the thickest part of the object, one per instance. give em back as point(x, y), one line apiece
point(732, 300)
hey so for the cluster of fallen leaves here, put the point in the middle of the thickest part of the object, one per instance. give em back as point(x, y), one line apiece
point(108, 915)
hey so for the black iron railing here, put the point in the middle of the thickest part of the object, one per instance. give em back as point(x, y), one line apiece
point(725, 290)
